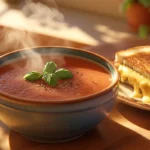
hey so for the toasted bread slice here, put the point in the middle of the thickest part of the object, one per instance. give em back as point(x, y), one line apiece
point(137, 58)
point(134, 69)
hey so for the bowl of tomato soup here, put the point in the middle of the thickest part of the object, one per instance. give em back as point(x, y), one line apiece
point(55, 94)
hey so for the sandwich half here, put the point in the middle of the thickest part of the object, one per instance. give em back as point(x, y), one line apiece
point(134, 68)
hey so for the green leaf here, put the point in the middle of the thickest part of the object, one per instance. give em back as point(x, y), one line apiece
point(63, 74)
point(32, 76)
point(126, 4)
point(143, 31)
point(50, 67)
point(51, 79)
point(145, 3)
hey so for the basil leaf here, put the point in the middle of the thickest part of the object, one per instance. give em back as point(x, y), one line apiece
point(50, 67)
point(32, 76)
point(63, 74)
point(51, 79)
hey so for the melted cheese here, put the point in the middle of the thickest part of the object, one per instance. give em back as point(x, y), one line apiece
point(141, 85)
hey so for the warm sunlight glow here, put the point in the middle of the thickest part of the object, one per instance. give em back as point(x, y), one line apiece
point(3, 7)
point(64, 23)
point(110, 35)
point(51, 24)
point(118, 118)
point(4, 142)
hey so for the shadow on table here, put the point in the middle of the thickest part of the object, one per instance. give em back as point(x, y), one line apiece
point(107, 136)
point(100, 28)
point(137, 116)
point(69, 19)
point(108, 50)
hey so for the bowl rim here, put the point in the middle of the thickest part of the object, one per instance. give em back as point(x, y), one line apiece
point(20, 100)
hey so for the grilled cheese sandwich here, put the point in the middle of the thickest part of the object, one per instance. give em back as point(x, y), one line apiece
point(134, 69)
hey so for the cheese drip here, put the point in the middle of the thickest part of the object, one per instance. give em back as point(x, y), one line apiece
point(141, 84)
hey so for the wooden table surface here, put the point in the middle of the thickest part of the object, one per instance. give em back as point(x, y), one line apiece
point(126, 128)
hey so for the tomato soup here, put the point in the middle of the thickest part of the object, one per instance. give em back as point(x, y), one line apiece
point(88, 78)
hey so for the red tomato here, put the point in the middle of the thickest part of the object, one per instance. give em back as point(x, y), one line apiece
point(138, 15)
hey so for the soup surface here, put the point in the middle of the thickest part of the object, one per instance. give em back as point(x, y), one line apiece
point(89, 78)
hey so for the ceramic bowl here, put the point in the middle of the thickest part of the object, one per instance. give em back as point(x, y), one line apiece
point(58, 122)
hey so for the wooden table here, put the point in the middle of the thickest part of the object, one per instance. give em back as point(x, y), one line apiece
point(126, 128)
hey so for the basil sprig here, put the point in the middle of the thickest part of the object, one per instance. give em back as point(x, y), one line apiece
point(50, 74)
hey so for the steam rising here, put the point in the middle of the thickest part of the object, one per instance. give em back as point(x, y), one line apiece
point(44, 14)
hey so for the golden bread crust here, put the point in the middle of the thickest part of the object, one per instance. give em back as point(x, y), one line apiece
point(136, 58)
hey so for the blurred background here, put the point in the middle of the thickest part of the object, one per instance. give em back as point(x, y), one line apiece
point(102, 24)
